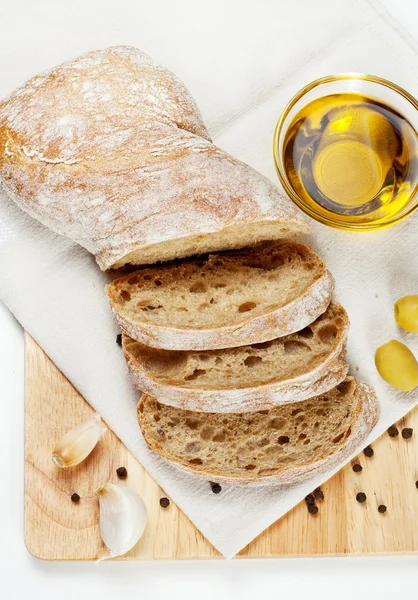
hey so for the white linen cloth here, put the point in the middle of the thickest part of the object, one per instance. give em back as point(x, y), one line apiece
point(242, 63)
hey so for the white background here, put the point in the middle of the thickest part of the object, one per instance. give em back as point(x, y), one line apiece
point(20, 574)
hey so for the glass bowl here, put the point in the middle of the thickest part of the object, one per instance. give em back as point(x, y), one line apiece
point(373, 87)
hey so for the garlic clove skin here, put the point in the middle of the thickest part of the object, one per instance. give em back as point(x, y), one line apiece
point(78, 443)
point(123, 518)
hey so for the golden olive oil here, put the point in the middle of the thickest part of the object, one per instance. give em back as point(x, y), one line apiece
point(352, 155)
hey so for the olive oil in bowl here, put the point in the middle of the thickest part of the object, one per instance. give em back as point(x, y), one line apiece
point(350, 160)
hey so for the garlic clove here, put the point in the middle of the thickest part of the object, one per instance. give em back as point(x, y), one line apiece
point(77, 443)
point(123, 517)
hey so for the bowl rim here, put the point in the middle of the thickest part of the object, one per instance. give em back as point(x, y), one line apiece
point(328, 220)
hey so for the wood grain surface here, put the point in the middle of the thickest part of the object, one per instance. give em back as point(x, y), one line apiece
point(58, 529)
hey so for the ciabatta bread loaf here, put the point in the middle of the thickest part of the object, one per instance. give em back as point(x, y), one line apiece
point(247, 378)
point(224, 300)
point(110, 150)
point(280, 446)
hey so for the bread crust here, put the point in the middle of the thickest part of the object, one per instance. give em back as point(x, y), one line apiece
point(110, 150)
point(367, 414)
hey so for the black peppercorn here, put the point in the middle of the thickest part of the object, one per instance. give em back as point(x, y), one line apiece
point(122, 473)
point(312, 509)
point(216, 488)
point(309, 499)
point(357, 468)
point(318, 494)
point(361, 497)
point(75, 497)
point(119, 339)
point(407, 433)
point(393, 431)
point(416, 484)
point(368, 452)
point(382, 508)
point(164, 502)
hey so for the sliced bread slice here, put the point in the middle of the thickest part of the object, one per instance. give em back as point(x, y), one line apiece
point(279, 446)
point(247, 378)
point(223, 300)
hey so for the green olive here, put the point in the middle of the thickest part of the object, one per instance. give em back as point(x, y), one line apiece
point(397, 365)
point(406, 313)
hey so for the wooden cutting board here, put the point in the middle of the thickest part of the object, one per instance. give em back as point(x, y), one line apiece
point(58, 529)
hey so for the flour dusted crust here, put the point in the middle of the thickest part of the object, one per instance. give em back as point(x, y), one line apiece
point(110, 150)
point(366, 413)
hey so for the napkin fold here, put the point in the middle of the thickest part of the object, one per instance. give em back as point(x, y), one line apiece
point(55, 289)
